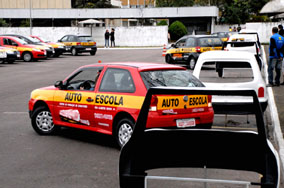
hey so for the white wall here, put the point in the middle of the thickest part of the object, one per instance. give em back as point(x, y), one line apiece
point(124, 36)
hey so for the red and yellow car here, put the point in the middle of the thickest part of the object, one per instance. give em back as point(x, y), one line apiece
point(107, 98)
point(59, 48)
point(27, 52)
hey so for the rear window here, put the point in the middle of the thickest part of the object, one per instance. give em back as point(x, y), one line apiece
point(85, 38)
point(231, 72)
point(210, 42)
point(170, 78)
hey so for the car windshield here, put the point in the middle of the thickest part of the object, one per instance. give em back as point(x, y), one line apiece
point(85, 38)
point(33, 39)
point(210, 42)
point(20, 41)
point(170, 78)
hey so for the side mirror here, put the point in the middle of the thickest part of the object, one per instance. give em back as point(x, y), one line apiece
point(59, 84)
point(174, 45)
point(59, 41)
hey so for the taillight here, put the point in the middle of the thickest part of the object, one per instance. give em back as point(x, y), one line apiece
point(226, 49)
point(209, 100)
point(154, 102)
point(197, 48)
point(261, 92)
point(78, 43)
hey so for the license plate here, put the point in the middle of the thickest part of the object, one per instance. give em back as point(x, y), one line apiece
point(177, 55)
point(88, 48)
point(182, 123)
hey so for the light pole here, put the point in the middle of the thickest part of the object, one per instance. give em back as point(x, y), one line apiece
point(31, 17)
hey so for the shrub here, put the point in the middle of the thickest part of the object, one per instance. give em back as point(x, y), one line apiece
point(177, 30)
point(163, 22)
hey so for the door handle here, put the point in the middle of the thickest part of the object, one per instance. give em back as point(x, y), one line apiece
point(90, 99)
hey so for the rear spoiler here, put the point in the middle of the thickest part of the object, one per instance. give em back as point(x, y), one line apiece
point(165, 148)
point(241, 42)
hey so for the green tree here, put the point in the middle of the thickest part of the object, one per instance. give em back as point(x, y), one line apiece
point(174, 3)
point(3, 23)
point(91, 4)
point(25, 23)
point(177, 30)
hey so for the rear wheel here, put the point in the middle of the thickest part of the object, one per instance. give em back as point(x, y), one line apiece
point(27, 56)
point(191, 63)
point(42, 121)
point(74, 51)
point(93, 53)
point(124, 130)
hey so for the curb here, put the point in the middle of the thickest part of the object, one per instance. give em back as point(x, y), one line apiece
point(277, 133)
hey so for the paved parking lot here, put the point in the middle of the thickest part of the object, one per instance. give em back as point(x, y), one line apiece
point(74, 158)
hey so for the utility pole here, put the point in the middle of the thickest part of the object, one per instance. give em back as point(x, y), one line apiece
point(31, 23)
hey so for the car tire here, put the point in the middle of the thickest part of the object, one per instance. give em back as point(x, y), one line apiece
point(93, 53)
point(74, 51)
point(42, 121)
point(27, 56)
point(124, 130)
point(168, 59)
point(191, 63)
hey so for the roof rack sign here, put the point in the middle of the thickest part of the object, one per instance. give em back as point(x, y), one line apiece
point(159, 148)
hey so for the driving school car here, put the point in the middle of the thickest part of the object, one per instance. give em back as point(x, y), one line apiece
point(238, 70)
point(188, 48)
point(79, 44)
point(27, 52)
point(107, 98)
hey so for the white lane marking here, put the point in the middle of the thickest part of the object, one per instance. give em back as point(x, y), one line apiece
point(15, 113)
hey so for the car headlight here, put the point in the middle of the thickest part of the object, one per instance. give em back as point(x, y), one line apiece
point(3, 54)
point(36, 50)
point(9, 52)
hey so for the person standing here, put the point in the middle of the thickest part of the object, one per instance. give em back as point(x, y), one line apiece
point(281, 32)
point(112, 39)
point(107, 39)
point(276, 48)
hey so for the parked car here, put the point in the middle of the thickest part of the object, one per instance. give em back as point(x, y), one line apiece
point(49, 49)
point(79, 44)
point(251, 32)
point(239, 70)
point(107, 98)
point(59, 48)
point(188, 48)
point(247, 43)
point(27, 52)
point(8, 55)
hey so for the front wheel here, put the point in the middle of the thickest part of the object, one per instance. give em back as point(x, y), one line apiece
point(124, 130)
point(169, 60)
point(42, 121)
point(27, 57)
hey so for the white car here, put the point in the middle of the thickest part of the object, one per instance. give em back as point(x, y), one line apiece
point(250, 32)
point(247, 43)
point(239, 70)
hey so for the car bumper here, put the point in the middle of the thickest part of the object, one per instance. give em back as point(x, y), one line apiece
point(82, 49)
point(237, 108)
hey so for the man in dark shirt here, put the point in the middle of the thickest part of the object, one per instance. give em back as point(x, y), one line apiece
point(281, 32)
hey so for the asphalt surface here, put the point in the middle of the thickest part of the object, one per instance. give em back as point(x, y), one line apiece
point(74, 158)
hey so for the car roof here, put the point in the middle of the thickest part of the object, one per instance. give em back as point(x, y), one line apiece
point(244, 36)
point(226, 55)
point(249, 31)
point(199, 36)
point(141, 66)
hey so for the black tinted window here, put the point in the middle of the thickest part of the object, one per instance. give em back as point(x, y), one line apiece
point(210, 42)
point(170, 78)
